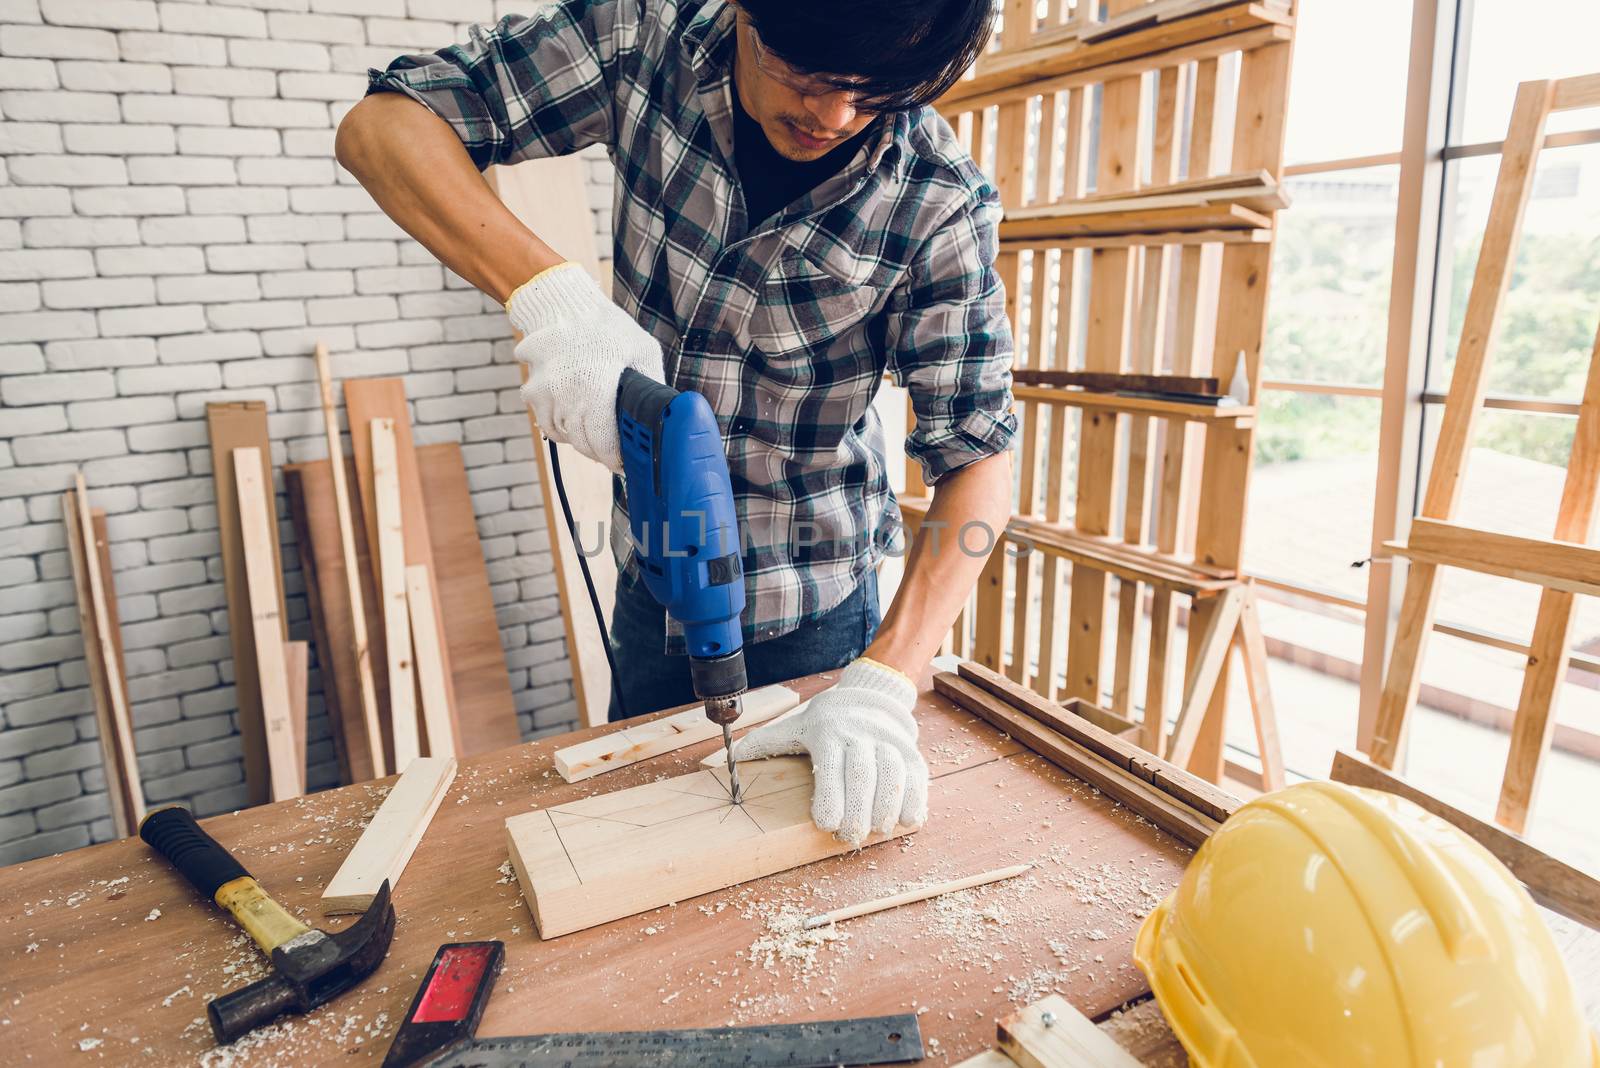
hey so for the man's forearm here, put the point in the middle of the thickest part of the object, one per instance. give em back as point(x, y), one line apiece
point(422, 177)
point(941, 571)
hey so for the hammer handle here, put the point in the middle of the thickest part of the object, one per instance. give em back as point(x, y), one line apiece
point(174, 834)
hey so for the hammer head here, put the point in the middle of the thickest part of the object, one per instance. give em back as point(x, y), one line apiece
point(308, 971)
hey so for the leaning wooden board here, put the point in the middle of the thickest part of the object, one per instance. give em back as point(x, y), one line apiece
point(231, 425)
point(367, 399)
point(704, 962)
point(486, 714)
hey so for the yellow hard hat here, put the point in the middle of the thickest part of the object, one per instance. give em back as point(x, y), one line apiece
point(1326, 925)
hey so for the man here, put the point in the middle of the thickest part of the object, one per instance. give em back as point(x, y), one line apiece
point(792, 220)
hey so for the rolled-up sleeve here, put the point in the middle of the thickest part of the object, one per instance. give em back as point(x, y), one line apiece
point(950, 345)
point(532, 87)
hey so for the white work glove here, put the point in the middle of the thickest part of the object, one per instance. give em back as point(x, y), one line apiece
point(863, 744)
point(576, 343)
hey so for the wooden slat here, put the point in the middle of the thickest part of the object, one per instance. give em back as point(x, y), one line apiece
point(1215, 639)
point(243, 424)
point(1551, 646)
point(1580, 92)
point(1069, 221)
point(1184, 238)
point(126, 744)
point(388, 527)
point(629, 744)
point(311, 503)
point(1253, 649)
point(1555, 565)
point(366, 685)
point(1116, 402)
point(1110, 383)
point(367, 399)
point(257, 538)
point(1554, 884)
point(429, 664)
point(387, 842)
point(1072, 722)
point(297, 670)
point(1147, 800)
point(1156, 47)
point(107, 683)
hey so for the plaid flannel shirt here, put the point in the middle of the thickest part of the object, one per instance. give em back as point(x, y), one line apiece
point(785, 324)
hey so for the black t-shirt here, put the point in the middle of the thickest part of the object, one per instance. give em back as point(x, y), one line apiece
point(771, 181)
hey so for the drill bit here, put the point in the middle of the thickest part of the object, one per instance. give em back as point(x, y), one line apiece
point(733, 774)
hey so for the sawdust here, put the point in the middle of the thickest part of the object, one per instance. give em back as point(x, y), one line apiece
point(154, 914)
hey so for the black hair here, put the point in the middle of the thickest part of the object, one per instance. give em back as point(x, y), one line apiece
point(896, 54)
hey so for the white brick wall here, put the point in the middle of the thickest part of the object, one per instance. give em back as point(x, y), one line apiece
point(173, 230)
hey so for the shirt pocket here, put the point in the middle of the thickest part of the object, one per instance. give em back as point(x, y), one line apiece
point(806, 301)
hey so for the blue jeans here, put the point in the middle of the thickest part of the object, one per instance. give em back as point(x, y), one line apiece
point(652, 680)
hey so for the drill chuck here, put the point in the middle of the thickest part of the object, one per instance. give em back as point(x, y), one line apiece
point(718, 681)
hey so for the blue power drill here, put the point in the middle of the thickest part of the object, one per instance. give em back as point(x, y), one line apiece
point(686, 535)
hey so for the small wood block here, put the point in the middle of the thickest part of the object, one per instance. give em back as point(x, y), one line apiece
point(1052, 1034)
point(613, 855)
point(392, 591)
point(386, 845)
point(642, 741)
point(429, 663)
point(258, 534)
point(718, 757)
point(989, 1058)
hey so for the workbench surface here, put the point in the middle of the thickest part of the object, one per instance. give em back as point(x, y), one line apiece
point(106, 956)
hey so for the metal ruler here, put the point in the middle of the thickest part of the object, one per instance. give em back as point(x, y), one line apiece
point(440, 1031)
point(875, 1040)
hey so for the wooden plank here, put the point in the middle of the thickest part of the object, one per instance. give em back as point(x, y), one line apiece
point(1215, 639)
point(641, 741)
point(1160, 46)
point(297, 672)
point(1553, 883)
point(1111, 383)
point(429, 663)
point(1144, 797)
point(107, 681)
point(1185, 238)
point(1555, 565)
point(601, 858)
point(386, 845)
point(486, 715)
point(1048, 223)
point(1199, 412)
point(257, 538)
point(1052, 1034)
point(132, 784)
point(367, 399)
point(1403, 679)
point(1253, 648)
point(1072, 722)
point(989, 1058)
point(366, 685)
point(390, 539)
point(1258, 190)
point(311, 504)
point(243, 424)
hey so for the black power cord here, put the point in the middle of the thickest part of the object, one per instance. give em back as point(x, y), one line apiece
point(588, 579)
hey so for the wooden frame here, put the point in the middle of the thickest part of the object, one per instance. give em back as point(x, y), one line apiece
point(1563, 565)
point(1155, 268)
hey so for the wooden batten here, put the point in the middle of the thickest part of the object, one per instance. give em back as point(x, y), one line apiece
point(389, 532)
point(1052, 1034)
point(258, 537)
point(429, 663)
point(233, 425)
point(387, 842)
point(641, 741)
point(99, 624)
